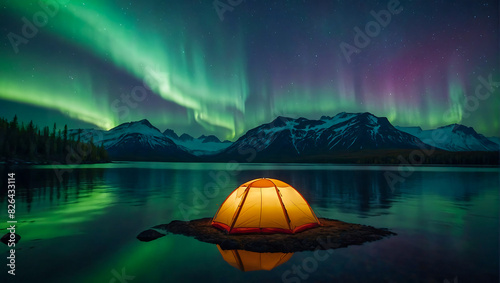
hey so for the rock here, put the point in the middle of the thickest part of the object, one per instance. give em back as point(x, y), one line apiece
point(149, 235)
point(6, 237)
point(332, 234)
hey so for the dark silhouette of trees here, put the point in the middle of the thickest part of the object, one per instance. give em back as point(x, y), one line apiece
point(31, 144)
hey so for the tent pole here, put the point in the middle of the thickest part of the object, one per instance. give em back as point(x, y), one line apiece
point(238, 260)
point(283, 207)
point(233, 221)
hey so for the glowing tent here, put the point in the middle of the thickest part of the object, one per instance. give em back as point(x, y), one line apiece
point(265, 206)
point(251, 261)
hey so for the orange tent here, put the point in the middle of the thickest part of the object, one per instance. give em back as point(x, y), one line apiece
point(251, 261)
point(265, 206)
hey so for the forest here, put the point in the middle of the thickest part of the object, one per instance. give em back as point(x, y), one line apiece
point(21, 143)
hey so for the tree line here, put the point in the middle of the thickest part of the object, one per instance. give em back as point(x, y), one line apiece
point(29, 143)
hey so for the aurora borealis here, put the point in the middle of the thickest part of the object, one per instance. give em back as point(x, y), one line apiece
point(177, 64)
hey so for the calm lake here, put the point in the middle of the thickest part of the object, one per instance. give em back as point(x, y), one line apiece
point(83, 227)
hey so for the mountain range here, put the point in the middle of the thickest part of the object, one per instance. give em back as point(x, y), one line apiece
point(345, 136)
point(203, 145)
point(134, 141)
point(453, 137)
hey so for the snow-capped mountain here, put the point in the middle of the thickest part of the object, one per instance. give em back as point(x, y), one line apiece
point(134, 141)
point(203, 145)
point(210, 138)
point(186, 137)
point(348, 137)
point(495, 140)
point(343, 132)
point(170, 134)
point(454, 137)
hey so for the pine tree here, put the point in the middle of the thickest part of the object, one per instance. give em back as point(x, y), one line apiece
point(31, 143)
point(13, 124)
point(65, 135)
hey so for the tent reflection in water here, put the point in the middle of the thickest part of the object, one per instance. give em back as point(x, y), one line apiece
point(251, 261)
point(265, 206)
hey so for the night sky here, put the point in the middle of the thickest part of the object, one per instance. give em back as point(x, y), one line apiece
point(182, 65)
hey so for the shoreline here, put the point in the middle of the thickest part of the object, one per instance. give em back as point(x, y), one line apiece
point(331, 234)
point(20, 162)
point(24, 163)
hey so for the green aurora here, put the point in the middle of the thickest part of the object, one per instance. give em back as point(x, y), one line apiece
point(179, 66)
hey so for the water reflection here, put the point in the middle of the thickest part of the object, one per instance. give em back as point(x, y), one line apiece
point(367, 193)
point(252, 261)
point(446, 220)
point(364, 193)
point(47, 208)
point(44, 186)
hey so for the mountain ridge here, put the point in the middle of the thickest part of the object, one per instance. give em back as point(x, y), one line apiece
point(343, 132)
point(284, 139)
point(453, 137)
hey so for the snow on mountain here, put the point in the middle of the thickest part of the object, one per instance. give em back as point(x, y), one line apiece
point(495, 140)
point(203, 145)
point(198, 147)
point(170, 134)
point(416, 131)
point(283, 137)
point(186, 137)
point(113, 136)
point(343, 132)
point(210, 138)
point(133, 141)
point(454, 137)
